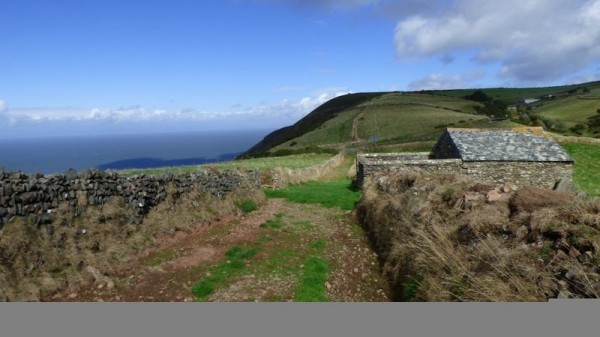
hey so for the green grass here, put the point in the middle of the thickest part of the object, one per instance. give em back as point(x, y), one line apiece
point(292, 162)
point(273, 223)
point(315, 120)
point(319, 244)
point(410, 288)
point(410, 121)
point(586, 171)
point(571, 110)
point(425, 146)
point(334, 193)
point(248, 206)
point(311, 287)
point(284, 254)
point(389, 116)
point(333, 131)
point(223, 271)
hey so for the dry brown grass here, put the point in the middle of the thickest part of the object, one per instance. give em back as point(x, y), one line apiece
point(281, 177)
point(440, 239)
point(73, 250)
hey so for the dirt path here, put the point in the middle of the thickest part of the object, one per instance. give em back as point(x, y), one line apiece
point(285, 235)
point(355, 139)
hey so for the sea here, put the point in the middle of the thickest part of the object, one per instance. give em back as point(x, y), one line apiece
point(52, 155)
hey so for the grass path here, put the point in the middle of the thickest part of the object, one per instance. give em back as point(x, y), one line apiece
point(284, 251)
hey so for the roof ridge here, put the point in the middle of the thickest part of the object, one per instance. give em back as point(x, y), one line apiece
point(517, 129)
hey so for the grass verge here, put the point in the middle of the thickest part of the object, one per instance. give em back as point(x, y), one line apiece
point(586, 171)
point(334, 193)
point(291, 162)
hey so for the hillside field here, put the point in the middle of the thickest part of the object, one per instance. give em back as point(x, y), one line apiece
point(571, 110)
point(410, 117)
point(378, 118)
point(513, 95)
point(291, 162)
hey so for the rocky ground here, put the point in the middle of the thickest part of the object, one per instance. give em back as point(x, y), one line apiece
point(284, 234)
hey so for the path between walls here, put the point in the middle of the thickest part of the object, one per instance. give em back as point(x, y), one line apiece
point(168, 271)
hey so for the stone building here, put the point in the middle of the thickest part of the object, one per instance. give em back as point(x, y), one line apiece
point(521, 156)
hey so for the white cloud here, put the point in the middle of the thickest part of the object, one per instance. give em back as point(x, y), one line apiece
point(531, 40)
point(437, 81)
point(440, 81)
point(278, 114)
point(290, 110)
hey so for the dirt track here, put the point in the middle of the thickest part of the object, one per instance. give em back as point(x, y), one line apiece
point(168, 271)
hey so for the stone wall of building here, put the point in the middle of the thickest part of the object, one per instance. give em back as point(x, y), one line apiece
point(543, 174)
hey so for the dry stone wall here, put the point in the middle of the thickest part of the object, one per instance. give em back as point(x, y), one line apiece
point(543, 174)
point(35, 196)
point(55, 229)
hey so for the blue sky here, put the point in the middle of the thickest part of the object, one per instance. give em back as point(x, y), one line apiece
point(108, 66)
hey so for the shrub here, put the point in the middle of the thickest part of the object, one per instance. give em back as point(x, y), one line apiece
point(248, 206)
point(578, 129)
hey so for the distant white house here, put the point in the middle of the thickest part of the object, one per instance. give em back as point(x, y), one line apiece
point(530, 100)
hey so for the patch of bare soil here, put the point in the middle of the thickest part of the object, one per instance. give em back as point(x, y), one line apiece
point(167, 271)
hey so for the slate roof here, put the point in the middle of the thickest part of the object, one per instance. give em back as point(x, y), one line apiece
point(528, 144)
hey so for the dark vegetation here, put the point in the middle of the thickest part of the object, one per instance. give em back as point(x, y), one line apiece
point(593, 123)
point(494, 108)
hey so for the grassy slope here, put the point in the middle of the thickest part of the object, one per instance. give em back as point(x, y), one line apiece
point(406, 117)
point(313, 120)
point(413, 116)
point(292, 162)
point(513, 95)
point(335, 130)
point(586, 172)
point(572, 110)
point(389, 116)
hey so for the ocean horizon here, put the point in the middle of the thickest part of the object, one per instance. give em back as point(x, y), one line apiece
point(51, 155)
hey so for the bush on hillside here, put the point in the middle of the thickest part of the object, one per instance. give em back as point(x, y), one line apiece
point(594, 122)
point(478, 96)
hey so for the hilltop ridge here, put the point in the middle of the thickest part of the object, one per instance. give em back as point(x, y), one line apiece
point(363, 119)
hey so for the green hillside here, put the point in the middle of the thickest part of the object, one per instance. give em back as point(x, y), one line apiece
point(389, 117)
point(359, 120)
point(313, 120)
point(571, 110)
point(514, 95)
